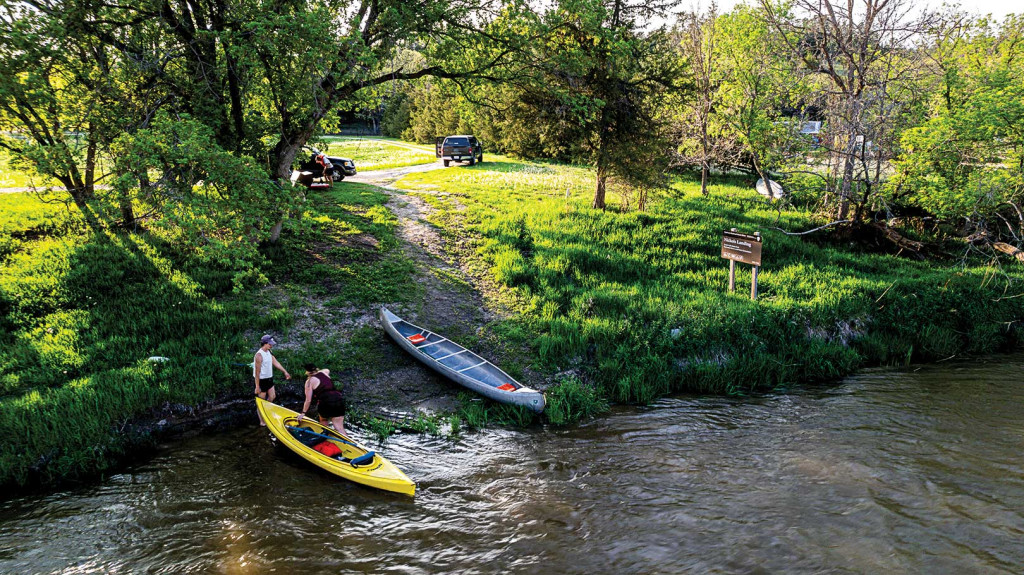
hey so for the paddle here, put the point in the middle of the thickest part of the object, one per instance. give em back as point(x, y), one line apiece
point(332, 438)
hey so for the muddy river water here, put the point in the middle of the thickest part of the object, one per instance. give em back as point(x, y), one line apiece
point(913, 471)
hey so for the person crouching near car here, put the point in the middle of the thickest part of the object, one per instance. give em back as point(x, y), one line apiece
point(327, 167)
point(330, 402)
point(263, 366)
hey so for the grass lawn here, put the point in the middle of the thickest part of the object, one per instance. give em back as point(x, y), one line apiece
point(638, 301)
point(380, 154)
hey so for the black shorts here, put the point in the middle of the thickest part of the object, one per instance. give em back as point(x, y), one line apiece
point(331, 405)
point(266, 384)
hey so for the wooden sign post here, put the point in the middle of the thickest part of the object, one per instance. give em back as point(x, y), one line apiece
point(743, 248)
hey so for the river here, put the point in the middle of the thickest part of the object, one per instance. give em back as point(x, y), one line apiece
point(914, 471)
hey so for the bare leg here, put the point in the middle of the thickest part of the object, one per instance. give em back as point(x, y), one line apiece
point(261, 395)
point(339, 423)
point(269, 396)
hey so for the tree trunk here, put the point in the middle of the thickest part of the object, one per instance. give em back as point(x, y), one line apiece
point(896, 238)
point(599, 189)
point(275, 232)
point(127, 211)
point(705, 145)
point(90, 164)
point(846, 188)
point(283, 156)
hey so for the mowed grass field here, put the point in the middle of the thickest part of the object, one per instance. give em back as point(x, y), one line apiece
point(15, 177)
point(379, 154)
point(638, 300)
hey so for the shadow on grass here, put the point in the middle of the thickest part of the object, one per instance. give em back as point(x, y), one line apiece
point(89, 310)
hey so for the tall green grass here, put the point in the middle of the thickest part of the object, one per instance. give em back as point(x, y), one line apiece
point(81, 311)
point(638, 300)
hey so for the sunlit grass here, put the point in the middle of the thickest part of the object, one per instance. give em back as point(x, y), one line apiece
point(376, 154)
point(13, 175)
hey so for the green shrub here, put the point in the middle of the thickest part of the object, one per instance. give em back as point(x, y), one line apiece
point(571, 401)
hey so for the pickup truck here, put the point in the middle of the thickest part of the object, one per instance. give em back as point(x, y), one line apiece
point(459, 149)
point(342, 166)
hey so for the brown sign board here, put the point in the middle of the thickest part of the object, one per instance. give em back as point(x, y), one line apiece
point(744, 248)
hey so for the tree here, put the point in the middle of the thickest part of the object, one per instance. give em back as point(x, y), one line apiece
point(965, 161)
point(757, 85)
point(261, 75)
point(603, 80)
point(46, 120)
point(699, 44)
point(858, 54)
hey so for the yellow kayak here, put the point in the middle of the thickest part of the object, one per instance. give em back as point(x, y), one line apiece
point(332, 451)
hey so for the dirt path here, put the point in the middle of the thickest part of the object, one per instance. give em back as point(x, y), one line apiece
point(450, 303)
point(448, 299)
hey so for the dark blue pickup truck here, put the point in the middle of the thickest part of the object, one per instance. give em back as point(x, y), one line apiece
point(459, 149)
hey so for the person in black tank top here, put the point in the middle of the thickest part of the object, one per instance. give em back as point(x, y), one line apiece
point(329, 401)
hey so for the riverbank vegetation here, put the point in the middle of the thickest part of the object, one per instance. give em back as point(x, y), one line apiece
point(638, 301)
point(82, 311)
point(171, 230)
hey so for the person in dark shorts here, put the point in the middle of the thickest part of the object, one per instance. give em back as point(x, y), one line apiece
point(263, 365)
point(330, 402)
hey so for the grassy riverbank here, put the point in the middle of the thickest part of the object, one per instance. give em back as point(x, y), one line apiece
point(637, 301)
point(81, 311)
point(601, 305)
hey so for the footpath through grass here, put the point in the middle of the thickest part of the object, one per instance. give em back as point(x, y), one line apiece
point(637, 301)
point(81, 311)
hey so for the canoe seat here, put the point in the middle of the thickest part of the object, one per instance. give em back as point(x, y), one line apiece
point(417, 338)
point(365, 459)
point(507, 387)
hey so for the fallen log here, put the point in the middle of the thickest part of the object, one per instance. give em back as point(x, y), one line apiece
point(1009, 249)
point(896, 238)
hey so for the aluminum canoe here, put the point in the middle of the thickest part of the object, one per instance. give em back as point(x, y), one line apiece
point(459, 364)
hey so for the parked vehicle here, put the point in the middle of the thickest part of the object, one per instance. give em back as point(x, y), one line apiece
point(459, 149)
point(318, 170)
point(341, 166)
